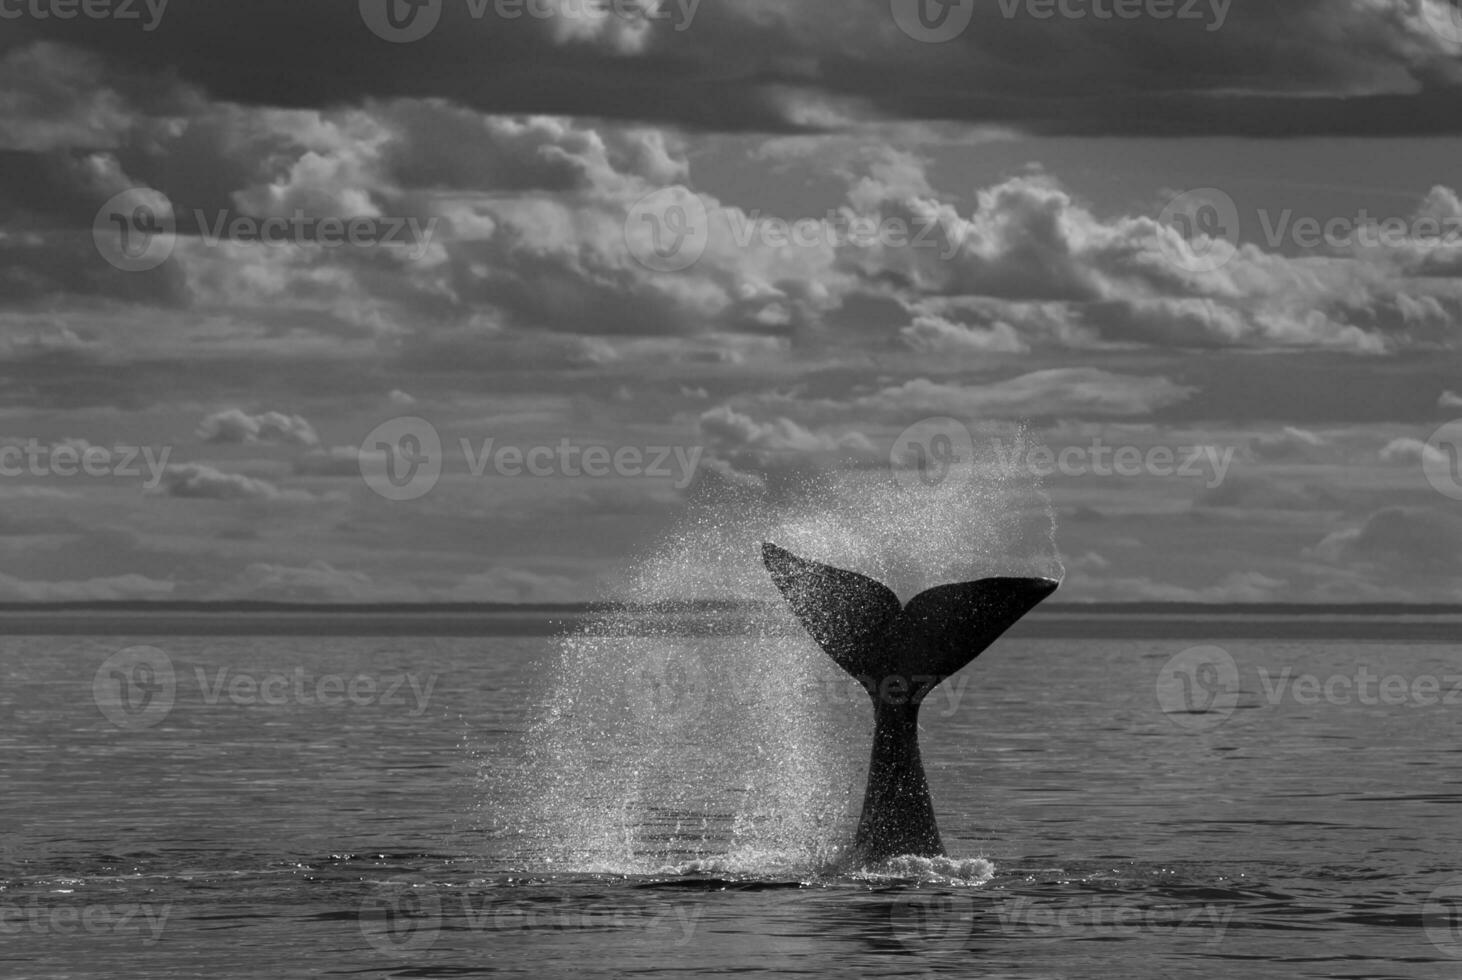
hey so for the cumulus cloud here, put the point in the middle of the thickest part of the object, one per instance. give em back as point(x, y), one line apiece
point(732, 430)
point(199, 481)
point(334, 461)
point(236, 426)
point(1412, 451)
point(50, 99)
point(741, 447)
point(1345, 66)
point(1290, 443)
point(1053, 393)
point(45, 341)
point(533, 215)
point(936, 335)
point(534, 144)
point(1406, 542)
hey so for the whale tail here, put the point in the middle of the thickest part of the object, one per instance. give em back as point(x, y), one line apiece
point(864, 628)
point(899, 653)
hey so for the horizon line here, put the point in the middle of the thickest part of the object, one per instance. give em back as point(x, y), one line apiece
point(592, 607)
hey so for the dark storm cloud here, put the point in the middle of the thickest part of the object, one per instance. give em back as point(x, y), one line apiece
point(287, 53)
point(1302, 67)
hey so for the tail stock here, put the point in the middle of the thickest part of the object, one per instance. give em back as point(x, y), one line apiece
point(899, 653)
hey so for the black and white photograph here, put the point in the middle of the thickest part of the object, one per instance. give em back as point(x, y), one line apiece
point(674, 488)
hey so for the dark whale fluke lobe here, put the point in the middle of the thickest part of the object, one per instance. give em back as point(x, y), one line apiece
point(899, 653)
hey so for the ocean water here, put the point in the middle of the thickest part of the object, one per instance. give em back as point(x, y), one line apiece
point(224, 806)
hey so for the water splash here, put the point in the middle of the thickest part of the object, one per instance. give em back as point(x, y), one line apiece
point(968, 872)
point(747, 751)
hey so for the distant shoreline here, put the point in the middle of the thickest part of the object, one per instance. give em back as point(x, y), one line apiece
point(1192, 622)
point(579, 609)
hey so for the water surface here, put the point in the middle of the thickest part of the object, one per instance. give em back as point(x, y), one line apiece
point(252, 830)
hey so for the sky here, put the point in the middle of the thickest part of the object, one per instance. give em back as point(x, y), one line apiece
point(472, 300)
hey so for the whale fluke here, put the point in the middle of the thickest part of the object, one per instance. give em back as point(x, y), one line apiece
point(899, 654)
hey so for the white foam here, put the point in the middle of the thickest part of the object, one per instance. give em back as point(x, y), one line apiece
point(966, 872)
point(909, 868)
